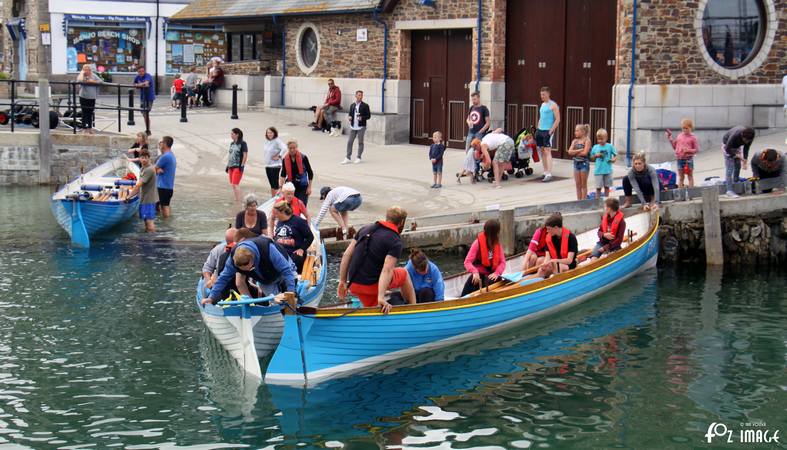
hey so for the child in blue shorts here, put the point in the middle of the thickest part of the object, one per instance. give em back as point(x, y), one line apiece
point(436, 151)
point(604, 154)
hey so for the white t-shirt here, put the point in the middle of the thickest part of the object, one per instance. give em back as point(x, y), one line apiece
point(494, 140)
point(357, 119)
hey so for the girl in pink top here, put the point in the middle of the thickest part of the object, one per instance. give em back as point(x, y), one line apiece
point(485, 261)
point(686, 146)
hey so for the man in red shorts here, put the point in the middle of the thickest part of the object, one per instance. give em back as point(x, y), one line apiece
point(368, 265)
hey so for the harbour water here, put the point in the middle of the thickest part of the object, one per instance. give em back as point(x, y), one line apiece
point(105, 348)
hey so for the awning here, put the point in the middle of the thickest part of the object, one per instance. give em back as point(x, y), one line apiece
point(95, 18)
point(16, 29)
point(217, 10)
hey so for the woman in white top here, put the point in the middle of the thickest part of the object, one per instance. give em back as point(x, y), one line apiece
point(274, 152)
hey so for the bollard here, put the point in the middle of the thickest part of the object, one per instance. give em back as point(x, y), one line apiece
point(183, 103)
point(130, 108)
point(508, 231)
point(234, 115)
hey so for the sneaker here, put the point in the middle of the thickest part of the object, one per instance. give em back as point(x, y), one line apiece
point(547, 178)
point(357, 161)
point(731, 194)
point(438, 186)
point(316, 129)
point(345, 161)
point(313, 124)
point(433, 186)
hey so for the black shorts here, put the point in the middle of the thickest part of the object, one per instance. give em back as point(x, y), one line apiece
point(164, 196)
point(273, 176)
point(544, 139)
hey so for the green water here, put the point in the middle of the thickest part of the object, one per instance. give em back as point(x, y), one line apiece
point(105, 348)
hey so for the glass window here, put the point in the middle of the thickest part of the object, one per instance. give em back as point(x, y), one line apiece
point(189, 47)
point(109, 47)
point(248, 47)
point(235, 45)
point(733, 30)
point(309, 47)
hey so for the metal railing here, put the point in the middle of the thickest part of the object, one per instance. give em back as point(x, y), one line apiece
point(70, 117)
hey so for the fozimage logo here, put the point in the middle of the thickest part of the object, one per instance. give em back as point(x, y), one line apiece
point(749, 433)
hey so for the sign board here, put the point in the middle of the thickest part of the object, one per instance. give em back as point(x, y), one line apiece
point(44, 28)
point(46, 38)
point(361, 35)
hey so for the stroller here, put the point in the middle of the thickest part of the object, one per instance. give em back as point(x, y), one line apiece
point(519, 164)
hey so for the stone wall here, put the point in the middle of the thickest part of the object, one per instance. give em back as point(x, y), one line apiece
point(668, 48)
point(71, 155)
point(35, 13)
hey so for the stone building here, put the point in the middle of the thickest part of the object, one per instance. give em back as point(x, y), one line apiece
point(718, 62)
point(25, 56)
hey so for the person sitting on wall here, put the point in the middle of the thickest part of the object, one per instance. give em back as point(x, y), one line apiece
point(427, 279)
point(325, 114)
point(215, 81)
point(561, 244)
point(485, 261)
point(612, 229)
point(769, 163)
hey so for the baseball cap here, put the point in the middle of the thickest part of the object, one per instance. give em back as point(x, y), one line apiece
point(324, 192)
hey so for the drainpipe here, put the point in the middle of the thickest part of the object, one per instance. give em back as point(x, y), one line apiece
point(478, 50)
point(385, 55)
point(156, 88)
point(283, 57)
point(631, 82)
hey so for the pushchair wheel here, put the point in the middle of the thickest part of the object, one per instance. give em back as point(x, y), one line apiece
point(519, 174)
point(529, 171)
point(504, 177)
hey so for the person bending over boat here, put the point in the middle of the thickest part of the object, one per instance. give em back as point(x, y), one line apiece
point(536, 249)
point(212, 263)
point(368, 266)
point(612, 229)
point(298, 207)
point(239, 236)
point(769, 163)
point(426, 277)
point(561, 244)
point(263, 261)
point(485, 260)
point(292, 233)
point(251, 217)
point(339, 201)
point(643, 180)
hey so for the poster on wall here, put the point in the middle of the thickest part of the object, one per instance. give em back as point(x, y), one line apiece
point(188, 54)
point(193, 48)
point(71, 59)
point(113, 48)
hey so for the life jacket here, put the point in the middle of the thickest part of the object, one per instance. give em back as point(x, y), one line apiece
point(563, 245)
point(264, 271)
point(542, 242)
point(296, 205)
point(299, 163)
point(615, 223)
point(483, 254)
point(361, 252)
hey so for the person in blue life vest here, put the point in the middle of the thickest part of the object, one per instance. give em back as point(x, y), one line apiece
point(263, 261)
point(426, 277)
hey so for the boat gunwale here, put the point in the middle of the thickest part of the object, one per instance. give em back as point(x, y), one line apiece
point(492, 297)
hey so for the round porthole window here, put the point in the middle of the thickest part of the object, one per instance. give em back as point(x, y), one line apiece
point(308, 48)
point(735, 35)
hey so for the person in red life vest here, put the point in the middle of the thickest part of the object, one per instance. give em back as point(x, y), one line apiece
point(485, 260)
point(537, 249)
point(368, 268)
point(297, 206)
point(561, 244)
point(612, 229)
point(297, 170)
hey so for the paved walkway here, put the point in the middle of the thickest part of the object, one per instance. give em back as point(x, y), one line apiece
point(389, 175)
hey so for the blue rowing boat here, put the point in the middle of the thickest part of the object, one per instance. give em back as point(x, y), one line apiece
point(94, 202)
point(249, 329)
point(333, 342)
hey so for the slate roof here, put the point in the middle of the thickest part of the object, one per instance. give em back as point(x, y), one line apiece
point(224, 9)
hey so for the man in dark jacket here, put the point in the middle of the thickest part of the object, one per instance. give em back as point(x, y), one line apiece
point(359, 114)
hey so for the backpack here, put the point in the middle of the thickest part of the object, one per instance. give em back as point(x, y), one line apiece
point(667, 179)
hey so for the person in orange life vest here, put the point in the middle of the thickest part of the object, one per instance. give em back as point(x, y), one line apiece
point(561, 244)
point(297, 206)
point(485, 260)
point(612, 229)
point(368, 268)
point(537, 248)
point(296, 169)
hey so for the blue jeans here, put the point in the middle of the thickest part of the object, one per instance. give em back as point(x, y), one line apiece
point(732, 171)
point(350, 203)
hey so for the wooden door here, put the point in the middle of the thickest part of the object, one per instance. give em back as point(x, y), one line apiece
point(602, 62)
point(577, 72)
point(441, 68)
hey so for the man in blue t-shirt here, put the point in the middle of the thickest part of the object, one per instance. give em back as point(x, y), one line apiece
point(147, 94)
point(165, 171)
